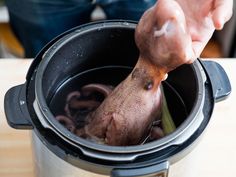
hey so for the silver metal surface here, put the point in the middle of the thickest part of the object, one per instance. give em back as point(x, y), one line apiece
point(157, 170)
point(47, 164)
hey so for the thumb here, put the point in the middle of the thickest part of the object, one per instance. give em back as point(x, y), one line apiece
point(223, 10)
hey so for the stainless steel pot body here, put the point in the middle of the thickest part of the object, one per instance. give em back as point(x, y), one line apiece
point(47, 164)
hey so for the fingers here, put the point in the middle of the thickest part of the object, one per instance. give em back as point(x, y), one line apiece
point(223, 10)
point(198, 48)
point(199, 45)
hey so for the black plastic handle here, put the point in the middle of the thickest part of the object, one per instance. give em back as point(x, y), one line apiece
point(157, 170)
point(219, 80)
point(16, 110)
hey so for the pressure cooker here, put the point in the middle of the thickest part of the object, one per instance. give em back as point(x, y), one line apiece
point(105, 52)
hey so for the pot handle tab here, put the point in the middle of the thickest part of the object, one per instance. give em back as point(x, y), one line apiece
point(156, 170)
point(16, 110)
point(219, 80)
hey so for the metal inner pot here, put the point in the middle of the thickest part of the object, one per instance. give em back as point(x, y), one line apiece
point(103, 45)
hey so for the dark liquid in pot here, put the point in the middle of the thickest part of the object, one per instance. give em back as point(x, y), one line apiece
point(110, 76)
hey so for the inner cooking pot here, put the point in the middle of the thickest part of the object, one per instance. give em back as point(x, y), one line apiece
point(106, 45)
point(108, 49)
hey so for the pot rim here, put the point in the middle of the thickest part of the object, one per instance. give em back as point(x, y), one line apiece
point(183, 132)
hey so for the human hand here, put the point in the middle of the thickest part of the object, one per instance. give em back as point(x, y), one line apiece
point(172, 33)
point(203, 17)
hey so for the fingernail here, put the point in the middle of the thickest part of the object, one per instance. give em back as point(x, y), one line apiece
point(219, 24)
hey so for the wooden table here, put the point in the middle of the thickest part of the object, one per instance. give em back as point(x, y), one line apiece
point(215, 155)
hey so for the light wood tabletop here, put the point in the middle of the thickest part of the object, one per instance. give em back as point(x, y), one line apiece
point(215, 155)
